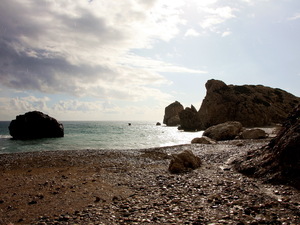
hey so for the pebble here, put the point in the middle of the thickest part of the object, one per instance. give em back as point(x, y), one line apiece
point(209, 195)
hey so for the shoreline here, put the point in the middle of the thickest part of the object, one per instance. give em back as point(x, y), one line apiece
point(134, 187)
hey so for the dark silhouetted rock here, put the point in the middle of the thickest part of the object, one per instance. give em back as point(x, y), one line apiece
point(224, 131)
point(279, 161)
point(184, 162)
point(203, 140)
point(171, 117)
point(252, 105)
point(253, 134)
point(158, 124)
point(189, 119)
point(34, 125)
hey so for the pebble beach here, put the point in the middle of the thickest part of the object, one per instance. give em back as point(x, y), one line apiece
point(135, 187)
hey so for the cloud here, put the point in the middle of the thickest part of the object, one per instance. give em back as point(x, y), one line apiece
point(295, 17)
point(216, 16)
point(81, 47)
point(192, 33)
point(226, 33)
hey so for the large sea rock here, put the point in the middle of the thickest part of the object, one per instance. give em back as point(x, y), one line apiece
point(171, 117)
point(252, 105)
point(278, 162)
point(189, 119)
point(34, 125)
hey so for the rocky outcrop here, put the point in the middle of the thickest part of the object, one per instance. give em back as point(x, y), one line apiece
point(280, 160)
point(34, 125)
point(252, 105)
point(253, 134)
point(171, 117)
point(184, 162)
point(189, 119)
point(224, 131)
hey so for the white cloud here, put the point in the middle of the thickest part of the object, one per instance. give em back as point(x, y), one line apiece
point(192, 33)
point(294, 17)
point(226, 33)
point(216, 16)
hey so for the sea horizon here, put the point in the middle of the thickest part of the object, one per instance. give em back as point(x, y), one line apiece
point(110, 135)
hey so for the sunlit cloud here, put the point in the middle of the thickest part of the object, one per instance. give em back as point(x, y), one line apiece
point(192, 33)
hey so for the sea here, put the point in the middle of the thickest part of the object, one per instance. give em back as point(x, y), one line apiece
point(83, 135)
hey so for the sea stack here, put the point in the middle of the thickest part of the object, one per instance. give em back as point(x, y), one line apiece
point(35, 125)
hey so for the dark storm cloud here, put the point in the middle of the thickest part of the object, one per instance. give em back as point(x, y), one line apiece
point(78, 47)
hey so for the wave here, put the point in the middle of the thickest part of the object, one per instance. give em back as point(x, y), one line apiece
point(5, 136)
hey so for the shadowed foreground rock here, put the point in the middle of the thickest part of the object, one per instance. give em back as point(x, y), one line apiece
point(184, 162)
point(279, 161)
point(34, 125)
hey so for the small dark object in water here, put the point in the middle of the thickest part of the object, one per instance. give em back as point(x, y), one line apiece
point(129, 124)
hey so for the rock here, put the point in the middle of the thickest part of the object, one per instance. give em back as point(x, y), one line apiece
point(184, 162)
point(252, 105)
point(171, 117)
point(279, 161)
point(253, 134)
point(33, 125)
point(203, 140)
point(158, 124)
point(189, 120)
point(224, 131)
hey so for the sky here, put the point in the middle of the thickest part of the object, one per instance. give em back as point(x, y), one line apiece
point(129, 59)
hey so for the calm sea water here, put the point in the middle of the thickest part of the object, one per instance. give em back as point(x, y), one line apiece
point(100, 135)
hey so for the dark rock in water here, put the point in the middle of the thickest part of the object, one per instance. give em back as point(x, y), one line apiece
point(252, 105)
point(224, 131)
point(184, 162)
point(171, 117)
point(279, 161)
point(34, 125)
point(189, 120)
point(158, 124)
point(253, 134)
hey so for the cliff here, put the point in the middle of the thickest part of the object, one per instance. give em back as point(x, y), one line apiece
point(252, 105)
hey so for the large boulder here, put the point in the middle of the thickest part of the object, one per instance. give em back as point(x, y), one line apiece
point(171, 117)
point(255, 133)
point(252, 105)
point(189, 119)
point(203, 140)
point(34, 125)
point(184, 162)
point(224, 131)
point(279, 161)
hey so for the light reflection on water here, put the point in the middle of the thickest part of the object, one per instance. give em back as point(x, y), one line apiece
point(101, 135)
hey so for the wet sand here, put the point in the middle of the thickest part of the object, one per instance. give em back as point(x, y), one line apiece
point(135, 187)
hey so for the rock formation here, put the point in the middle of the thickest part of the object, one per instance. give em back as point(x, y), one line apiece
point(171, 117)
point(184, 162)
point(224, 131)
point(279, 161)
point(34, 125)
point(189, 119)
point(252, 105)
